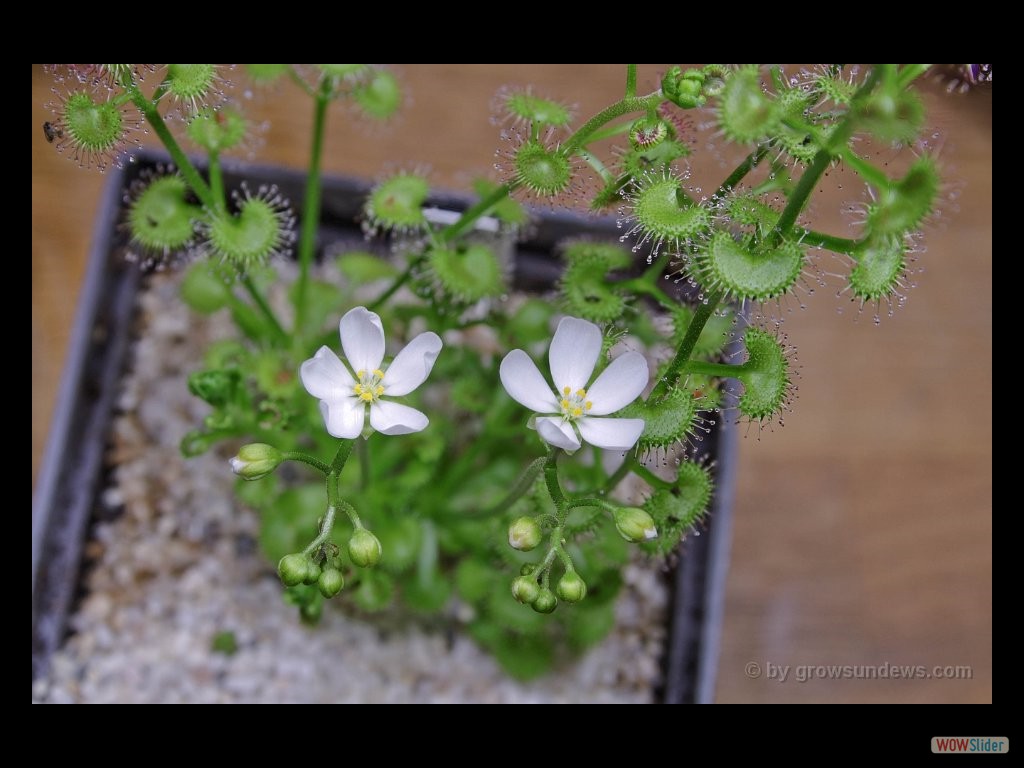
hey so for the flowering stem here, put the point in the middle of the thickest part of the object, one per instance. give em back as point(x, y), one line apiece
point(630, 104)
point(618, 475)
point(397, 283)
point(474, 212)
point(305, 458)
point(630, 81)
point(364, 463)
point(523, 484)
point(327, 524)
point(311, 203)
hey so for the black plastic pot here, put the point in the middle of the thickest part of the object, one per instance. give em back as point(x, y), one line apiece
point(64, 503)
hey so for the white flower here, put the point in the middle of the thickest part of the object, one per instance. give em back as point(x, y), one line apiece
point(344, 399)
point(575, 406)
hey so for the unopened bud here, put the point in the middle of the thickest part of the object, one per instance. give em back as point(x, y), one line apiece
point(364, 549)
point(524, 534)
point(571, 587)
point(634, 524)
point(256, 460)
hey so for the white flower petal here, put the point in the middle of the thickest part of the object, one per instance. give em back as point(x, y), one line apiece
point(554, 430)
point(573, 353)
point(612, 434)
point(396, 419)
point(412, 365)
point(362, 338)
point(619, 384)
point(325, 377)
point(525, 384)
point(343, 418)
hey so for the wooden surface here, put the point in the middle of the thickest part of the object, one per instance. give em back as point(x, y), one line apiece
point(863, 528)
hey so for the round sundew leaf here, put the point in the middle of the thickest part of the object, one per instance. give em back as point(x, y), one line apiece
point(748, 274)
point(657, 210)
point(545, 172)
point(765, 375)
point(667, 421)
point(96, 127)
point(160, 217)
point(881, 264)
point(745, 112)
point(397, 202)
point(468, 273)
point(903, 205)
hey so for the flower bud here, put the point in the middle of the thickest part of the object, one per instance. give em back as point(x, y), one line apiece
point(364, 549)
point(330, 582)
point(634, 524)
point(293, 569)
point(256, 460)
point(571, 587)
point(312, 573)
point(524, 534)
point(525, 589)
point(546, 602)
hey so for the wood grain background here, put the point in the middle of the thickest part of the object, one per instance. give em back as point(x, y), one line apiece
point(863, 528)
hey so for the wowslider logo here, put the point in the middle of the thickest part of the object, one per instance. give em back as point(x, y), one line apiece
point(970, 744)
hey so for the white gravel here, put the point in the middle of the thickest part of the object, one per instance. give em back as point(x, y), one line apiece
point(180, 564)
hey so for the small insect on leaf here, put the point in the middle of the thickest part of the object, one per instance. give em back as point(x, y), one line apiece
point(52, 132)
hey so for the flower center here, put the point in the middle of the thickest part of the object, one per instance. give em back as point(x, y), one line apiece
point(574, 404)
point(369, 389)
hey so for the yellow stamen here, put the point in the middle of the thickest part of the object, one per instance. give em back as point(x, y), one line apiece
point(577, 411)
point(379, 391)
point(567, 390)
point(581, 393)
point(360, 374)
point(367, 396)
point(378, 373)
point(358, 389)
point(589, 405)
point(565, 403)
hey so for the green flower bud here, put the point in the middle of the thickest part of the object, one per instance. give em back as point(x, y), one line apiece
point(293, 569)
point(545, 602)
point(524, 534)
point(330, 582)
point(312, 573)
point(256, 460)
point(525, 589)
point(684, 88)
point(634, 524)
point(364, 549)
point(571, 587)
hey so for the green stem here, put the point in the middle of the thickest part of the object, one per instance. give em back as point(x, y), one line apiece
point(870, 173)
point(217, 180)
point(609, 113)
point(750, 162)
point(609, 131)
point(474, 212)
point(551, 478)
point(594, 162)
point(397, 283)
point(264, 307)
point(185, 166)
point(833, 243)
point(327, 526)
point(344, 451)
point(618, 476)
point(523, 484)
point(726, 370)
point(630, 81)
point(652, 479)
point(364, 464)
point(703, 313)
point(305, 458)
point(311, 204)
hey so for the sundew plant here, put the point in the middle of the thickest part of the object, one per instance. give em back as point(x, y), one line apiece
point(450, 437)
